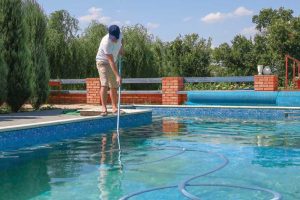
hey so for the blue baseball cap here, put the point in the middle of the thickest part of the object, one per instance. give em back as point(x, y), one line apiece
point(114, 32)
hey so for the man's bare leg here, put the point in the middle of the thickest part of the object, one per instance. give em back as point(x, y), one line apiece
point(103, 96)
point(114, 99)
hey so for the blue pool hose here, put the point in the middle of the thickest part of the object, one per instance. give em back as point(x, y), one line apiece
point(180, 151)
point(182, 186)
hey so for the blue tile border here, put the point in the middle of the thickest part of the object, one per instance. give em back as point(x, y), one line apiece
point(15, 139)
point(222, 112)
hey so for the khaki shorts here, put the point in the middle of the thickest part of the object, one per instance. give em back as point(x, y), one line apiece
point(107, 77)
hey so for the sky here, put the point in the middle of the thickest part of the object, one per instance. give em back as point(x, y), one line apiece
point(219, 19)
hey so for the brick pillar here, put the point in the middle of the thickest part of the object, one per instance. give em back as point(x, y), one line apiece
point(266, 83)
point(170, 88)
point(93, 91)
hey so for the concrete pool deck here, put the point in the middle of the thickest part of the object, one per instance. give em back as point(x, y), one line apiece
point(58, 115)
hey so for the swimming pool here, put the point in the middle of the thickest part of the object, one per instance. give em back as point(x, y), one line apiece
point(261, 154)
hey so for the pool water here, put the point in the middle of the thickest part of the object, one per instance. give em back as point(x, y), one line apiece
point(261, 154)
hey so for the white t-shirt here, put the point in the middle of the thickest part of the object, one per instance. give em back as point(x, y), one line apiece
point(108, 47)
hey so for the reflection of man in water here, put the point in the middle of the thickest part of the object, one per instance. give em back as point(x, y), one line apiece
point(109, 180)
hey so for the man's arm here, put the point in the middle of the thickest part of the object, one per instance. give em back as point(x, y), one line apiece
point(121, 52)
point(113, 67)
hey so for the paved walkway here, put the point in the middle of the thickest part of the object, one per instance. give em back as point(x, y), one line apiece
point(59, 112)
point(42, 116)
point(33, 117)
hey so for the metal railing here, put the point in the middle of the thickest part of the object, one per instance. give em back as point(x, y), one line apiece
point(233, 79)
point(228, 79)
point(296, 69)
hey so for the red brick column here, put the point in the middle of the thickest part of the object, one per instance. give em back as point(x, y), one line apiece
point(266, 83)
point(93, 91)
point(170, 87)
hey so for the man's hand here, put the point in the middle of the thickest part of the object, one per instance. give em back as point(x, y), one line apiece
point(114, 68)
point(119, 80)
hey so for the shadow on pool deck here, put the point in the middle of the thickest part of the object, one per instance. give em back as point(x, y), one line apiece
point(33, 117)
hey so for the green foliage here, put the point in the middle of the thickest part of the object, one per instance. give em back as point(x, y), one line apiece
point(90, 42)
point(188, 56)
point(64, 24)
point(269, 16)
point(139, 58)
point(3, 74)
point(279, 34)
point(16, 53)
point(262, 50)
point(78, 59)
point(56, 51)
point(4, 109)
point(159, 52)
point(219, 86)
point(3, 69)
point(237, 59)
point(62, 30)
point(70, 55)
point(243, 56)
point(37, 27)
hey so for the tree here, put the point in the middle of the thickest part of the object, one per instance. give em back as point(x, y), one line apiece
point(188, 56)
point(159, 51)
point(262, 50)
point(237, 59)
point(280, 35)
point(3, 74)
point(62, 30)
point(16, 53)
point(3, 69)
point(244, 62)
point(64, 23)
point(78, 59)
point(139, 58)
point(37, 26)
point(222, 58)
point(91, 40)
point(267, 17)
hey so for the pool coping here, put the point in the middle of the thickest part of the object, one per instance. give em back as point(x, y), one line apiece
point(217, 106)
point(67, 121)
point(135, 110)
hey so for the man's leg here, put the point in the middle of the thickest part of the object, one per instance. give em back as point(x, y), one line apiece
point(103, 96)
point(114, 99)
point(103, 73)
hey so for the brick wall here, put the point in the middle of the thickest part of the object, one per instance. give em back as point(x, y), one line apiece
point(58, 98)
point(93, 91)
point(141, 99)
point(169, 96)
point(266, 83)
point(170, 88)
point(93, 95)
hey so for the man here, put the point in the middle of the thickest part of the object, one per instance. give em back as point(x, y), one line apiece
point(110, 47)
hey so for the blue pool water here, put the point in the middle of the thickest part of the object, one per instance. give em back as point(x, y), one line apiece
point(261, 154)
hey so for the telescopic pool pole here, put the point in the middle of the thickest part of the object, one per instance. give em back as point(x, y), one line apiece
point(119, 102)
